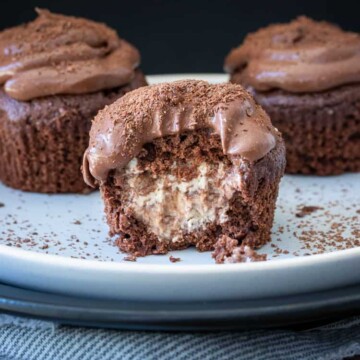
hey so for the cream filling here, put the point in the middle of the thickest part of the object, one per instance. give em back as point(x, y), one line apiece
point(172, 206)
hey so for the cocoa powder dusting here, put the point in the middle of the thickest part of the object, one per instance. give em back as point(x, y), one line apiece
point(58, 54)
point(120, 130)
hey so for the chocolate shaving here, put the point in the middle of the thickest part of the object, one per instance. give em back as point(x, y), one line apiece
point(307, 210)
point(174, 259)
point(131, 258)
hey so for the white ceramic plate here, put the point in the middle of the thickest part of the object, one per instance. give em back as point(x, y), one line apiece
point(59, 243)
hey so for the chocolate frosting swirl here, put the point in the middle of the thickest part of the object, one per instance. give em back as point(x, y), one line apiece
point(120, 130)
point(301, 56)
point(57, 54)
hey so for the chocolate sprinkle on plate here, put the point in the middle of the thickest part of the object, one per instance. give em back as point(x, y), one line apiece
point(307, 210)
point(131, 258)
point(174, 259)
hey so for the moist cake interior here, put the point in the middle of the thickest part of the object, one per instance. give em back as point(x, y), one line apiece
point(179, 191)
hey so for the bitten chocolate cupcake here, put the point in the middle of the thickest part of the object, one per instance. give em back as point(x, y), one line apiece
point(57, 72)
point(186, 164)
point(306, 75)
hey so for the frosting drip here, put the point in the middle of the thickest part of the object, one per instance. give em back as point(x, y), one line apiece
point(57, 54)
point(302, 56)
point(121, 130)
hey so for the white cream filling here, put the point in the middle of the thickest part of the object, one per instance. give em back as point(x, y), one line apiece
point(174, 206)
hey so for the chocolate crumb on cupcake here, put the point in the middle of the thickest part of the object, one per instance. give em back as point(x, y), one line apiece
point(306, 75)
point(57, 73)
point(182, 164)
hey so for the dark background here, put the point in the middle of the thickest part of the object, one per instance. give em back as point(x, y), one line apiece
point(186, 36)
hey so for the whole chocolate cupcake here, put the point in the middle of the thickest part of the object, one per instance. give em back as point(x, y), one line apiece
point(57, 73)
point(186, 163)
point(306, 75)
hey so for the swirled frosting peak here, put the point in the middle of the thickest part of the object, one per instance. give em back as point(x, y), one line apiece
point(57, 54)
point(301, 56)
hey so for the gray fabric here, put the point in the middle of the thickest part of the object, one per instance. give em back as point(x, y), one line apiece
point(22, 339)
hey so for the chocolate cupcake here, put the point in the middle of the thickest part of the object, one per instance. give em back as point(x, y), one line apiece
point(185, 164)
point(57, 73)
point(306, 75)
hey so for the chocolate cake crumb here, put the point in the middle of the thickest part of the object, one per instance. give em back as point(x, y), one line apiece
point(307, 210)
point(130, 257)
point(77, 222)
point(228, 250)
point(174, 259)
point(2, 204)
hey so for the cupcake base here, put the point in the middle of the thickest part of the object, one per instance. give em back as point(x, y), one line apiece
point(42, 141)
point(183, 191)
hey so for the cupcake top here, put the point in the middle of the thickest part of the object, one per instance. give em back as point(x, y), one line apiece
point(57, 54)
point(301, 56)
point(121, 129)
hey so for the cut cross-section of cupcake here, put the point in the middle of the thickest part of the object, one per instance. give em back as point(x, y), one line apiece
point(183, 164)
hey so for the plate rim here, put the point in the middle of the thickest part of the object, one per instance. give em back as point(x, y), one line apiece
point(279, 264)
